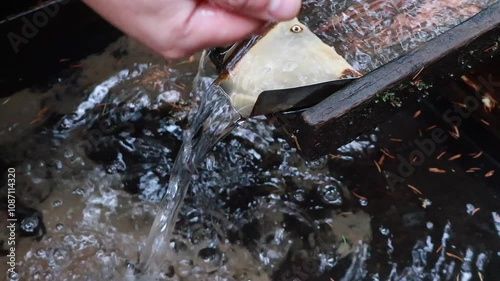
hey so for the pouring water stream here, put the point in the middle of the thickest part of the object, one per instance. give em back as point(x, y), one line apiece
point(215, 119)
point(253, 69)
point(226, 102)
point(100, 244)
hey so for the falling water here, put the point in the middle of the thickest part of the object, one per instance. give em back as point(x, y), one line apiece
point(256, 211)
point(214, 119)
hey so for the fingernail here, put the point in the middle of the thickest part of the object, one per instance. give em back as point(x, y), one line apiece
point(283, 9)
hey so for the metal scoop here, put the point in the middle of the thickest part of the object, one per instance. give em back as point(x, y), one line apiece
point(287, 68)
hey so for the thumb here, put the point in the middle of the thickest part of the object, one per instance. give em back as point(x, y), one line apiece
point(274, 10)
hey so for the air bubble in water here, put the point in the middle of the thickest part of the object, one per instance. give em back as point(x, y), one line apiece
point(13, 276)
point(58, 164)
point(363, 202)
point(78, 191)
point(384, 231)
point(470, 208)
point(68, 153)
point(318, 164)
point(299, 195)
point(29, 224)
point(129, 265)
point(41, 254)
point(330, 195)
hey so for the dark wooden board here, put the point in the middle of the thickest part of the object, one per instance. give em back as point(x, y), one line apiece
point(370, 100)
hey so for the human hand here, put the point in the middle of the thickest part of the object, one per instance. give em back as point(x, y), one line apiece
point(177, 28)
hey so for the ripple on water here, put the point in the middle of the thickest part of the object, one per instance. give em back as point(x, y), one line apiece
point(255, 210)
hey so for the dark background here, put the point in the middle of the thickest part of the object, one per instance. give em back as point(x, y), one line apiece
point(73, 33)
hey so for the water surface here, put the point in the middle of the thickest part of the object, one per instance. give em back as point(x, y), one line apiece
point(95, 152)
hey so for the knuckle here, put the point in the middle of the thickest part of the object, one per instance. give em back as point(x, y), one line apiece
point(238, 4)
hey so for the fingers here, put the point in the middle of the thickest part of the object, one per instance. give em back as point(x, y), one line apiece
point(276, 10)
point(211, 26)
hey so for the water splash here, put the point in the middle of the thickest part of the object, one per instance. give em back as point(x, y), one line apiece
point(255, 210)
point(215, 119)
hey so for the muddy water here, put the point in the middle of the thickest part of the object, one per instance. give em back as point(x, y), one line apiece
point(94, 151)
point(93, 156)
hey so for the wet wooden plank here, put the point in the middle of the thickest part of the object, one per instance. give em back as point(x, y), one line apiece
point(375, 97)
